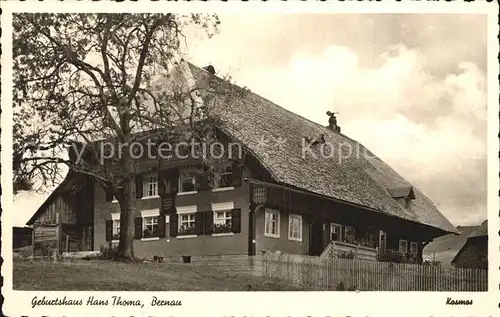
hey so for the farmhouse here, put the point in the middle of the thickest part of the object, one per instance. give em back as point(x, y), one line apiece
point(474, 253)
point(286, 195)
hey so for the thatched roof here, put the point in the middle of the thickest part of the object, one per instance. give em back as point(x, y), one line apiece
point(402, 192)
point(361, 178)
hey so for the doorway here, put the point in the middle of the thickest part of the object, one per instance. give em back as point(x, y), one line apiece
point(316, 240)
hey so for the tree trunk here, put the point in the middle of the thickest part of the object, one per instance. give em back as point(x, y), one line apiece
point(127, 210)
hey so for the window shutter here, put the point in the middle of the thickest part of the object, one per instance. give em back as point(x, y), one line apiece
point(138, 228)
point(161, 226)
point(236, 174)
point(209, 221)
point(109, 193)
point(174, 229)
point(138, 186)
point(236, 220)
point(109, 230)
point(173, 179)
point(198, 223)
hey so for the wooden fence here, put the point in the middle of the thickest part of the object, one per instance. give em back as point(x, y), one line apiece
point(346, 274)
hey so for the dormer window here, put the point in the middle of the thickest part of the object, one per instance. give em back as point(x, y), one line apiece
point(407, 203)
point(403, 195)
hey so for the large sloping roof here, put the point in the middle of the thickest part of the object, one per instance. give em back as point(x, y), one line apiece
point(361, 178)
point(481, 231)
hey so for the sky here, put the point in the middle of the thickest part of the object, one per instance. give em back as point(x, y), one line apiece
point(411, 88)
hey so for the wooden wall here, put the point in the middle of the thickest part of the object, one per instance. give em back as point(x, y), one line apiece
point(65, 206)
point(45, 239)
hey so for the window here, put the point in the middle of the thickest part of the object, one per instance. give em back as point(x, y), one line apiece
point(150, 223)
point(223, 176)
point(150, 185)
point(116, 229)
point(223, 217)
point(186, 225)
point(403, 246)
point(150, 227)
point(295, 227)
point(407, 203)
point(413, 248)
point(187, 180)
point(335, 232)
point(272, 222)
point(350, 235)
point(116, 226)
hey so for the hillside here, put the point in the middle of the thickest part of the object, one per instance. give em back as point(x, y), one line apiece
point(445, 248)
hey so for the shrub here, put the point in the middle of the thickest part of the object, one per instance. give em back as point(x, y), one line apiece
point(108, 253)
point(187, 230)
point(431, 263)
point(397, 257)
point(221, 228)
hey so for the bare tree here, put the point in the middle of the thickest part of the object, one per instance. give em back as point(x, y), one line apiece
point(84, 78)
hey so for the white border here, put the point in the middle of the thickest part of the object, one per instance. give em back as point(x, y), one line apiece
point(283, 304)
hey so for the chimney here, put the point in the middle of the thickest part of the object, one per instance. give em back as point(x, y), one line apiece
point(332, 122)
point(210, 69)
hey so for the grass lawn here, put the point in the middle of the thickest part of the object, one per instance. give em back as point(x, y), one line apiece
point(101, 275)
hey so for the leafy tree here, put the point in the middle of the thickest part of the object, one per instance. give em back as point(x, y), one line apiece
point(83, 78)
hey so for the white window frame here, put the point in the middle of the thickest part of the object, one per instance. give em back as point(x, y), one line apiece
point(149, 213)
point(277, 213)
point(406, 244)
point(291, 217)
point(416, 248)
point(182, 211)
point(179, 185)
point(146, 183)
point(115, 217)
point(225, 216)
point(336, 225)
point(225, 208)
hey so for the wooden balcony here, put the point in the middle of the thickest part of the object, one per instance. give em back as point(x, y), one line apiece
point(336, 249)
